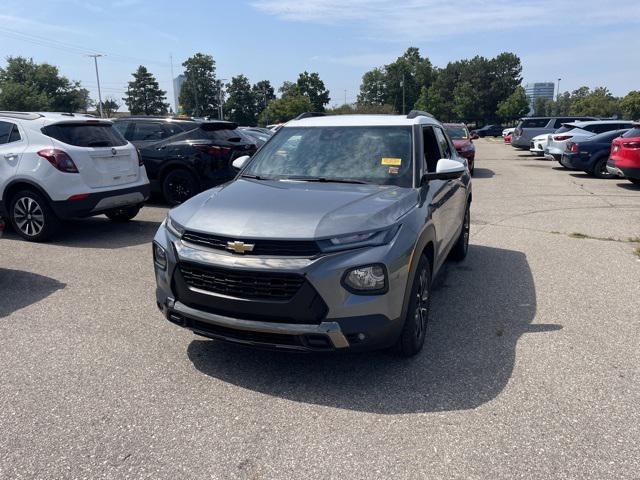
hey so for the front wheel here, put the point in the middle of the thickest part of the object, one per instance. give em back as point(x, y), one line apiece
point(32, 217)
point(414, 330)
point(179, 186)
point(123, 214)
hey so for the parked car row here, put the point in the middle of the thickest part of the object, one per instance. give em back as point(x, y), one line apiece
point(602, 148)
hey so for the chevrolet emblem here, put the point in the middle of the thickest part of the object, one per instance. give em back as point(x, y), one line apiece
point(240, 247)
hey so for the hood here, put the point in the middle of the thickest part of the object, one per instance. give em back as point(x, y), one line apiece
point(248, 208)
point(461, 142)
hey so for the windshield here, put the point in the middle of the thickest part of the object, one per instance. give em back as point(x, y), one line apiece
point(458, 133)
point(380, 155)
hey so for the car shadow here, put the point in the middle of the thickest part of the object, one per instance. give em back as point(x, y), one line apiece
point(19, 289)
point(629, 186)
point(482, 173)
point(99, 232)
point(480, 309)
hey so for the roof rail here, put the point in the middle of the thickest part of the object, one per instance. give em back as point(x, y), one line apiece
point(21, 115)
point(310, 115)
point(418, 113)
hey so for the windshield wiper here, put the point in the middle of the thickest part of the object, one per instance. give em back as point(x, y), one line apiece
point(255, 177)
point(324, 179)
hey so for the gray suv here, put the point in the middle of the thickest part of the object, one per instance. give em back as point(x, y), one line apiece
point(328, 238)
point(530, 127)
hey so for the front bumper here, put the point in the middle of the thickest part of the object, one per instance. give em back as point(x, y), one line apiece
point(97, 203)
point(321, 316)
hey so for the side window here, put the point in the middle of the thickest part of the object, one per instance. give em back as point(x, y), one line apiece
point(15, 135)
point(559, 121)
point(5, 132)
point(122, 128)
point(431, 148)
point(171, 129)
point(145, 131)
point(445, 149)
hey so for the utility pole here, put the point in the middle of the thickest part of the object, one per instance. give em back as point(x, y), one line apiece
point(95, 61)
point(173, 87)
point(220, 109)
point(266, 112)
point(403, 98)
point(345, 96)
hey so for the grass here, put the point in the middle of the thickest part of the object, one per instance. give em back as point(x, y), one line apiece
point(579, 235)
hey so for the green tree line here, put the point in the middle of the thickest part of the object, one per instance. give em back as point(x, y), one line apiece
point(598, 102)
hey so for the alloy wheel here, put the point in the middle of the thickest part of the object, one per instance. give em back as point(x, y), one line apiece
point(181, 189)
point(28, 216)
point(422, 304)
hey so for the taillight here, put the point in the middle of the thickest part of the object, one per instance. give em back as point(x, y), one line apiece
point(59, 159)
point(572, 147)
point(635, 144)
point(561, 138)
point(140, 161)
point(214, 150)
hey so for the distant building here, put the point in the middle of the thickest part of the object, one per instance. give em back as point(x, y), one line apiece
point(177, 86)
point(539, 90)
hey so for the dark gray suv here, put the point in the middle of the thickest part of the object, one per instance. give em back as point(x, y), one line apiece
point(328, 239)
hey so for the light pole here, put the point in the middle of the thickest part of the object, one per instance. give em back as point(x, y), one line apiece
point(558, 95)
point(222, 80)
point(403, 103)
point(95, 61)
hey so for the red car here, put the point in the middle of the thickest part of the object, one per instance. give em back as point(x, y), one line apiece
point(463, 141)
point(624, 160)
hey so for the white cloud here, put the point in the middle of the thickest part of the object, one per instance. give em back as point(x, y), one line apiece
point(430, 19)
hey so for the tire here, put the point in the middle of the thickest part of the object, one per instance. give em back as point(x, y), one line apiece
point(123, 214)
point(600, 168)
point(178, 186)
point(414, 330)
point(32, 217)
point(461, 247)
point(635, 181)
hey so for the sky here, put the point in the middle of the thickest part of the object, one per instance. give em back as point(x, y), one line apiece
point(583, 42)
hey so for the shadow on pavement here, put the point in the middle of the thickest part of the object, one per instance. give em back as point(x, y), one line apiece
point(481, 307)
point(20, 289)
point(629, 186)
point(99, 232)
point(483, 173)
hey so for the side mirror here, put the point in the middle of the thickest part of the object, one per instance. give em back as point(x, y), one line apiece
point(446, 169)
point(240, 162)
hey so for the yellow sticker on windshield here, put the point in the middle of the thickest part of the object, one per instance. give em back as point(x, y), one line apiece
point(395, 162)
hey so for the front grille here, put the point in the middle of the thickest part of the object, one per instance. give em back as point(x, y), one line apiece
point(281, 248)
point(242, 284)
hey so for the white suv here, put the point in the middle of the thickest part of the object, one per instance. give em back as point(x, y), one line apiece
point(57, 166)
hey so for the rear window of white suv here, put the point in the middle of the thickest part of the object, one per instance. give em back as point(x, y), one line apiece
point(85, 134)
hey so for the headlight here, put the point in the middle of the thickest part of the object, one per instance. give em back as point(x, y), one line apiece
point(357, 240)
point(174, 227)
point(366, 280)
point(159, 256)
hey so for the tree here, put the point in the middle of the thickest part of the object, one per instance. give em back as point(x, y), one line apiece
point(241, 102)
point(361, 108)
point(598, 103)
point(285, 108)
point(373, 90)
point(515, 106)
point(311, 86)
point(200, 93)
point(109, 107)
point(544, 107)
point(28, 86)
point(144, 96)
point(263, 93)
point(288, 89)
point(630, 105)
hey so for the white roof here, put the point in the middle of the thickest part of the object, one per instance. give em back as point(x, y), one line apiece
point(360, 121)
point(586, 123)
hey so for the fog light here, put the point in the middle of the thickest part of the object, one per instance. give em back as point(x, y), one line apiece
point(366, 280)
point(159, 256)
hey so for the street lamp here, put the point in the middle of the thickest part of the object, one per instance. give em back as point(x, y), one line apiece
point(558, 96)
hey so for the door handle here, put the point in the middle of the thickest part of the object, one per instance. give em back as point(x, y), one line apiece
point(9, 156)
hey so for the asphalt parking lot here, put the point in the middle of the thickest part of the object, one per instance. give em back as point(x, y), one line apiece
point(531, 367)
